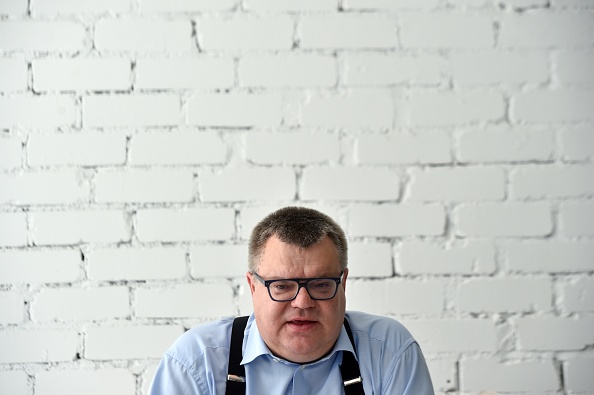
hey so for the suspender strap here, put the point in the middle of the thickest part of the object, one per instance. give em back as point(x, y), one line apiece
point(351, 375)
point(349, 369)
point(236, 371)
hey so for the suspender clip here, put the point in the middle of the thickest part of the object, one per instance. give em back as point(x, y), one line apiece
point(237, 379)
point(353, 381)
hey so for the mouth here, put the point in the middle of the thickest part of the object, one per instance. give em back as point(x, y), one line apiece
point(301, 325)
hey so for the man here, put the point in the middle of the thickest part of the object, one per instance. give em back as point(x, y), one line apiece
point(299, 340)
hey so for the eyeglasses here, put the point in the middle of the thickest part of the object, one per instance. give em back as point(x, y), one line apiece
point(285, 290)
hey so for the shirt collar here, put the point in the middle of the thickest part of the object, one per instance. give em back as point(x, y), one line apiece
point(254, 345)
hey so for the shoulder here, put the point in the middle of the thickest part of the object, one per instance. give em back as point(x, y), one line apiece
point(381, 331)
point(194, 343)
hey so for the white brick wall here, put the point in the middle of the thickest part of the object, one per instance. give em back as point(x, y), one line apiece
point(140, 141)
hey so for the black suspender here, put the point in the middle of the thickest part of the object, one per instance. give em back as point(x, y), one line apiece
point(349, 369)
point(236, 371)
point(351, 375)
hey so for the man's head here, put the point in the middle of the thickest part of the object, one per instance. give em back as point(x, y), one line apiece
point(299, 226)
point(298, 243)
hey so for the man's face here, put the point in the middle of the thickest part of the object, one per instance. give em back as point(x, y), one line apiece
point(303, 329)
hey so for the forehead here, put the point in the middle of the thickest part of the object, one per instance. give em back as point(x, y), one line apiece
point(282, 258)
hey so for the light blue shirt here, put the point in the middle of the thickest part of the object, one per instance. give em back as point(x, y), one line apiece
point(390, 361)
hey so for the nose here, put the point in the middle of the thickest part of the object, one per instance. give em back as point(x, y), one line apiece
point(303, 300)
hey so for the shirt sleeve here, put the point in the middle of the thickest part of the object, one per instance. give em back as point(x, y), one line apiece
point(411, 375)
point(172, 378)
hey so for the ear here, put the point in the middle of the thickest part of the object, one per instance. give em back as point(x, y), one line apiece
point(344, 278)
point(251, 283)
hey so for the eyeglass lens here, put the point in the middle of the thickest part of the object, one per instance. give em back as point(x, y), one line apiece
point(285, 290)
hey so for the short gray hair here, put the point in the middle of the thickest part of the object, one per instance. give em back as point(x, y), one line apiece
point(299, 226)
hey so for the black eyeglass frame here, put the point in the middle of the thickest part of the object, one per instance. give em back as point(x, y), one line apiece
point(301, 283)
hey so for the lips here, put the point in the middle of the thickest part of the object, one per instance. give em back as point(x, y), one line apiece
point(301, 325)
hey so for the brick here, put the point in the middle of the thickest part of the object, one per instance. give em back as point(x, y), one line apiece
point(542, 106)
point(184, 73)
point(242, 184)
point(126, 110)
point(444, 373)
point(220, 260)
point(510, 294)
point(143, 35)
point(136, 264)
point(571, 3)
point(455, 108)
point(173, 302)
point(552, 181)
point(396, 297)
point(139, 185)
point(13, 7)
point(503, 144)
point(39, 266)
point(550, 256)
point(575, 67)
point(42, 36)
point(74, 227)
point(525, 5)
point(290, 5)
point(577, 218)
point(577, 374)
point(349, 183)
point(356, 108)
point(10, 152)
point(75, 304)
point(456, 183)
point(42, 345)
point(47, 187)
point(546, 30)
point(64, 7)
point(491, 68)
point(114, 381)
point(15, 382)
point(369, 259)
point(293, 71)
point(454, 335)
point(446, 31)
point(235, 109)
point(81, 74)
point(554, 333)
point(184, 147)
point(37, 111)
point(396, 220)
point(577, 143)
point(13, 75)
point(344, 31)
point(250, 216)
point(461, 257)
point(12, 308)
point(380, 69)
point(244, 300)
point(13, 231)
point(537, 376)
point(424, 147)
point(241, 33)
point(577, 295)
point(508, 219)
point(187, 224)
point(389, 4)
point(292, 148)
point(129, 342)
point(79, 149)
point(159, 6)
point(147, 377)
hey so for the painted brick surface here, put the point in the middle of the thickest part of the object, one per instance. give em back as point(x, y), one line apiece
point(142, 140)
point(103, 381)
